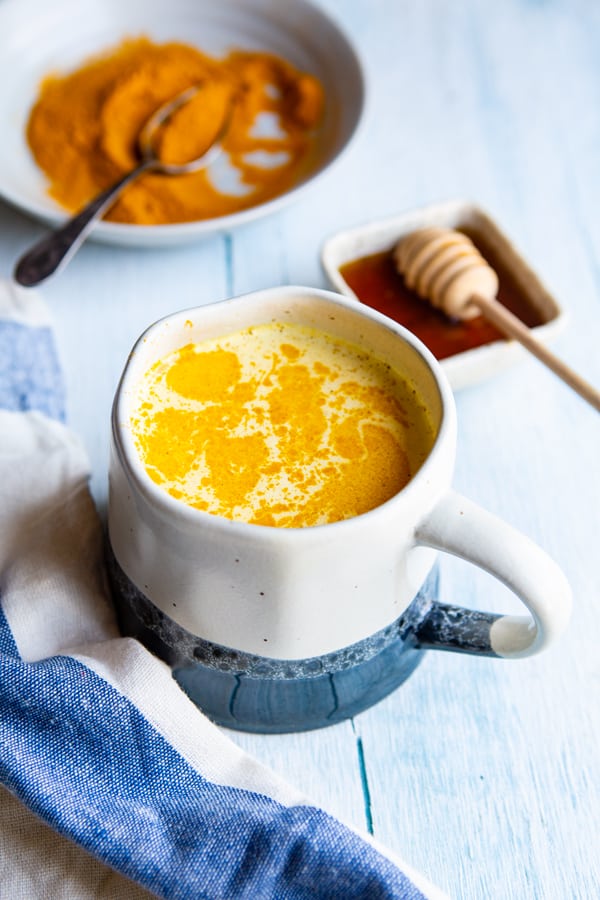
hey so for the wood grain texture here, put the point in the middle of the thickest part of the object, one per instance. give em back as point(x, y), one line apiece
point(484, 774)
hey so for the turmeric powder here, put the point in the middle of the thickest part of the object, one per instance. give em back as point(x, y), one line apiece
point(279, 425)
point(84, 127)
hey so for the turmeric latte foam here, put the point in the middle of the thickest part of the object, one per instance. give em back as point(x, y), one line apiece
point(279, 425)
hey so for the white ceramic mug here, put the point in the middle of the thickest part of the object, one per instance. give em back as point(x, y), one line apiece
point(278, 629)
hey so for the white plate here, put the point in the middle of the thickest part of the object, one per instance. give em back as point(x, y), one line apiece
point(469, 366)
point(37, 37)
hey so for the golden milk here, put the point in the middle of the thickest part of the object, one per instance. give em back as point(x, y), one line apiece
point(279, 425)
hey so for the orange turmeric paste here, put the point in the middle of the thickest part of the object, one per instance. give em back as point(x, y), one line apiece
point(279, 425)
point(84, 127)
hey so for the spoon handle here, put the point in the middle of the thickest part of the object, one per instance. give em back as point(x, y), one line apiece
point(509, 325)
point(53, 252)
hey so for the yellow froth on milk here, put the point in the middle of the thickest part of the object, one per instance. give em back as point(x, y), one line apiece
point(279, 425)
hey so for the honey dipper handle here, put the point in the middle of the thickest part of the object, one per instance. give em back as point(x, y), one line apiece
point(509, 325)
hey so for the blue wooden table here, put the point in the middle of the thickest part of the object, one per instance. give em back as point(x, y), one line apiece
point(484, 774)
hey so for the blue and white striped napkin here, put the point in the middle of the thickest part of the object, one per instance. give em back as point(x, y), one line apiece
point(115, 785)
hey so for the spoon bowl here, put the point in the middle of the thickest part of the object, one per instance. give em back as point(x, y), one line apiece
point(53, 252)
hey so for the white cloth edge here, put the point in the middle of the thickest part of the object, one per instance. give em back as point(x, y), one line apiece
point(19, 304)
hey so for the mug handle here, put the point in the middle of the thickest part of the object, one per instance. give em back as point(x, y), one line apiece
point(460, 527)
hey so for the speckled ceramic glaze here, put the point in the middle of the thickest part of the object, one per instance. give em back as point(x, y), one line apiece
point(276, 629)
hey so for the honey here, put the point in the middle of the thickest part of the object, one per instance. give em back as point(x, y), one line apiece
point(376, 282)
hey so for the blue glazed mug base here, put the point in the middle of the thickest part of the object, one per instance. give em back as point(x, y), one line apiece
point(259, 694)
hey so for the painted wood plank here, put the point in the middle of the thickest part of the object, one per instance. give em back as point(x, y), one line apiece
point(482, 773)
point(324, 764)
point(485, 774)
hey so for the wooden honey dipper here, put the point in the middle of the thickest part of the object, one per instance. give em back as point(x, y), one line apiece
point(444, 267)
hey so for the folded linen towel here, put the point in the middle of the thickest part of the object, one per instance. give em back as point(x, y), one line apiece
point(116, 785)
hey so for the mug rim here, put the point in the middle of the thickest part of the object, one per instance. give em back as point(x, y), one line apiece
point(176, 509)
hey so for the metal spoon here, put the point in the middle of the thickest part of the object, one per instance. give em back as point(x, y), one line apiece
point(52, 253)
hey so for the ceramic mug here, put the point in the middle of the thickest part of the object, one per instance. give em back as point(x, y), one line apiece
point(284, 629)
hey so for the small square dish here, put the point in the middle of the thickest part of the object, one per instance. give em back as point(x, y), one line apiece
point(359, 263)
